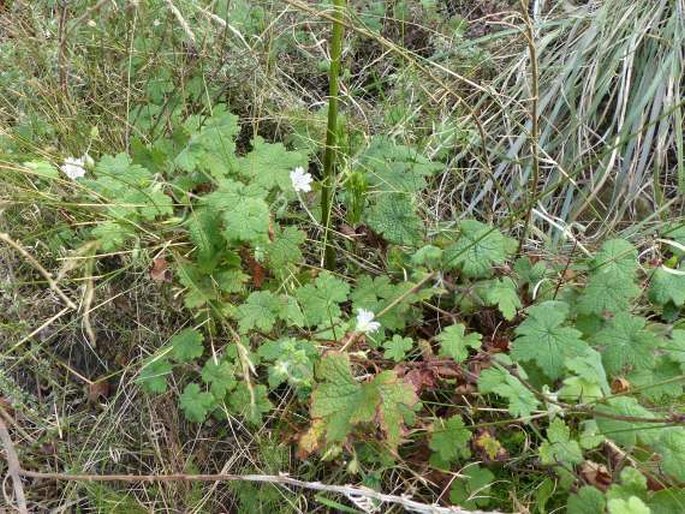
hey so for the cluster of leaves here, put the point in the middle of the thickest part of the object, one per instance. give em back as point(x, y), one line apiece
point(578, 343)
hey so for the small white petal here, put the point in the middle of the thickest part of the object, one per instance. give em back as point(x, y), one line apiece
point(365, 323)
point(301, 180)
point(74, 168)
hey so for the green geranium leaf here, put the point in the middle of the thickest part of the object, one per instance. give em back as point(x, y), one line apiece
point(671, 445)
point(321, 300)
point(260, 311)
point(522, 402)
point(544, 339)
point(625, 342)
point(665, 287)
point(340, 403)
point(397, 348)
point(268, 165)
point(220, 376)
point(633, 505)
point(393, 217)
point(588, 500)
point(454, 344)
point(248, 221)
point(559, 447)
point(479, 249)
point(612, 284)
point(449, 439)
point(472, 492)
point(504, 294)
point(196, 403)
point(153, 375)
point(250, 406)
point(187, 345)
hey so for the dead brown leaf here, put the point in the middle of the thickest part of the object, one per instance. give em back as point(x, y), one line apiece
point(159, 272)
point(596, 474)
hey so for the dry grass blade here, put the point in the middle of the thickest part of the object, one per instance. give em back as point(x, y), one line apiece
point(611, 112)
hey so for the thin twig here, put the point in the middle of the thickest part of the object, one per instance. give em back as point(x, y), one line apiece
point(63, 81)
point(51, 282)
point(13, 467)
point(184, 24)
point(346, 490)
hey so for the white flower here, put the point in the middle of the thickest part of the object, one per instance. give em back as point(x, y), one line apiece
point(365, 323)
point(302, 181)
point(75, 168)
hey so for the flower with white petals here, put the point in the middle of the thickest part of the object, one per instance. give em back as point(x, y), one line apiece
point(365, 322)
point(76, 168)
point(301, 180)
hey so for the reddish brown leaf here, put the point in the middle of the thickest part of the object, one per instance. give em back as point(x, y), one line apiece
point(98, 391)
point(421, 379)
point(159, 272)
point(256, 270)
point(620, 385)
point(596, 474)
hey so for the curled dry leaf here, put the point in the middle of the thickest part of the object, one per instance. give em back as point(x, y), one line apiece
point(159, 272)
point(620, 385)
point(98, 391)
point(596, 474)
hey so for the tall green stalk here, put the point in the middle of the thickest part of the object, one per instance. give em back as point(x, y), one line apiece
point(330, 154)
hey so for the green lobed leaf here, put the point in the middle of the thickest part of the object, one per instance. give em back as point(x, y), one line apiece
point(544, 339)
point(625, 343)
point(503, 293)
point(478, 250)
point(212, 144)
point(260, 311)
point(632, 505)
point(472, 491)
point(204, 231)
point(375, 294)
point(632, 483)
point(559, 447)
point(339, 402)
point(396, 403)
point(627, 433)
point(187, 345)
point(397, 348)
point(665, 287)
point(268, 165)
point(321, 300)
point(153, 375)
point(196, 403)
point(251, 407)
point(660, 383)
point(220, 376)
point(284, 250)
point(588, 500)
point(247, 221)
point(522, 402)
point(112, 235)
point(671, 446)
point(454, 344)
point(396, 168)
point(393, 216)
point(612, 283)
point(449, 439)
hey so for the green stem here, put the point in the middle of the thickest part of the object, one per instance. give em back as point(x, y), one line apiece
point(330, 154)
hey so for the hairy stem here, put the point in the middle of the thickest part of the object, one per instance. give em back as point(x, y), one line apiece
point(330, 154)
